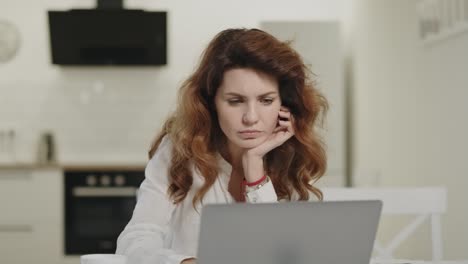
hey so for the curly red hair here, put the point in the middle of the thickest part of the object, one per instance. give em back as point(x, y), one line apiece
point(195, 133)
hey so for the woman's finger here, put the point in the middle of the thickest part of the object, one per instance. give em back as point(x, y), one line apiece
point(284, 108)
point(283, 114)
point(287, 125)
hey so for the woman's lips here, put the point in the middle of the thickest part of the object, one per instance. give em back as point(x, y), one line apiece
point(250, 133)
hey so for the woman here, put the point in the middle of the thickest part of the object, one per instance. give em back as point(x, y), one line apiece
point(243, 132)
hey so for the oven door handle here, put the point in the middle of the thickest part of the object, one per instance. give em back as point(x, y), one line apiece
point(16, 228)
point(104, 191)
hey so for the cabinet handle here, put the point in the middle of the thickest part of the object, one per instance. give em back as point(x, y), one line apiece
point(16, 177)
point(104, 191)
point(16, 229)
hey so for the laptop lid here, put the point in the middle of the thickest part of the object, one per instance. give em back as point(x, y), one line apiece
point(289, 233)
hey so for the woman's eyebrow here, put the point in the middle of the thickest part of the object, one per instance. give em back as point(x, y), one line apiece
point(239, 95)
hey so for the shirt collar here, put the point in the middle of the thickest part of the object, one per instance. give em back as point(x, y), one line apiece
point(224, 166)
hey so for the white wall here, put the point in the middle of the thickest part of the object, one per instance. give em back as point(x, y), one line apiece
point(97, 117)
point(410, 108)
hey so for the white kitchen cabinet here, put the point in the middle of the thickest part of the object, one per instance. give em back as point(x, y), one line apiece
point(30, 215)
point(36, 244)
point(17, 247)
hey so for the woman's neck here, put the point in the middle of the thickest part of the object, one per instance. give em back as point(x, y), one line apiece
point(233, 155)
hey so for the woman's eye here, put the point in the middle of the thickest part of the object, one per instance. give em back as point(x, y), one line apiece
point(234, 101)
point(267, 101)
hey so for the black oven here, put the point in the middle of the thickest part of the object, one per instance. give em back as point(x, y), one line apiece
point(98, 205)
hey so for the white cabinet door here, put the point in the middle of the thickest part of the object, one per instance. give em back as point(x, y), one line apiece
point(30, 216)
point(26, 244)
point(30, 195)
point(16, 196)
point(17, 244)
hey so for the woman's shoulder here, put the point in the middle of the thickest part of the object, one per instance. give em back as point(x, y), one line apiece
point(157, 166)
point(163, 151)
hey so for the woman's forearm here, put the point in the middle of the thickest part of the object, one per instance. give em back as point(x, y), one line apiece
point(253, 167)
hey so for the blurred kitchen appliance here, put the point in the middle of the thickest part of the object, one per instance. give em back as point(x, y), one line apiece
point(8, 146)
point(99, 202)
point(108, 36)
point(46, 149)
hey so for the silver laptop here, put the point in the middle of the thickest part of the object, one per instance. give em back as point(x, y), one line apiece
point(340, 232)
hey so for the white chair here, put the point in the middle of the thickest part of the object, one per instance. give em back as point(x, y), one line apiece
point(423, 203)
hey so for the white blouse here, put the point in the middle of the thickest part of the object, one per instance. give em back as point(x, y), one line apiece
point(163, 233)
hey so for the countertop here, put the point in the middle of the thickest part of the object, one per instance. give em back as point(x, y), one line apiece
point(71, 166)
point(28, 166)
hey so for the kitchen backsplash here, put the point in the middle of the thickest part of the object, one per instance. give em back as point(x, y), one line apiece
point(106, 120)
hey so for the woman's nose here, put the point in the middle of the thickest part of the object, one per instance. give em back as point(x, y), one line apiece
point(250, 116)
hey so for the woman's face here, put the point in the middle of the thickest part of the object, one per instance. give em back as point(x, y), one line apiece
point(247, 104)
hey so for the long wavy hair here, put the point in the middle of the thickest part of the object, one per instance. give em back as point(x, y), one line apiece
point(197, 137)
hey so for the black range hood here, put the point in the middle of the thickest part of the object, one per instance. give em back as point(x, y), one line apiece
point(108, 35)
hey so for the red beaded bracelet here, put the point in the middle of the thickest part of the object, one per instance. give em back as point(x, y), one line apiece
point(250, 184)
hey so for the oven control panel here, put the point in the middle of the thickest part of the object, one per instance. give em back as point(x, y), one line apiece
point(105, 178)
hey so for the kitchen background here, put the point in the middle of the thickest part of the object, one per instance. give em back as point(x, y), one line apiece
point(403, 107)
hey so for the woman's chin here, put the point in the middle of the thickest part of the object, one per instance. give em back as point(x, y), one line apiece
point(249, 143)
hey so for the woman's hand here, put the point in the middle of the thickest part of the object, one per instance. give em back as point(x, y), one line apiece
point(252, 160)
point(282, 132)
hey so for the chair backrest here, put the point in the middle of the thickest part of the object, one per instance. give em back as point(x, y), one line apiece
point(422, 202)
